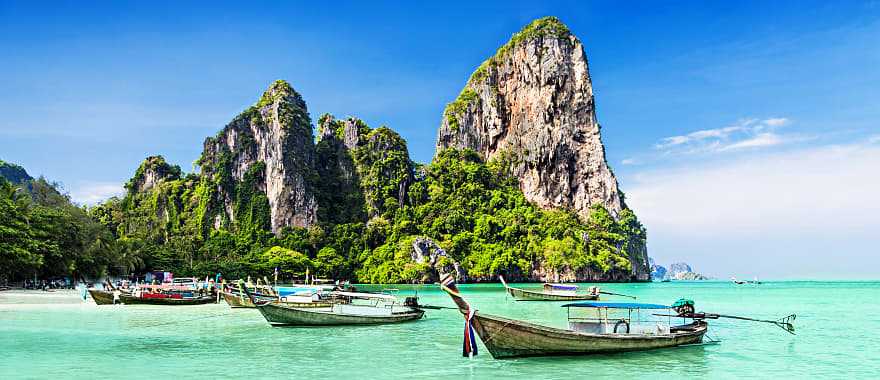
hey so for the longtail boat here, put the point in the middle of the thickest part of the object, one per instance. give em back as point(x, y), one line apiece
point(101, 297)
point(107, 297)
point(383, 310)
point(599, 333)
point(551, 292)
point(147, 299)
point(241, 300)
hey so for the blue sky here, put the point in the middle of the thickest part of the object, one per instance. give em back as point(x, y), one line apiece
point(744, 133)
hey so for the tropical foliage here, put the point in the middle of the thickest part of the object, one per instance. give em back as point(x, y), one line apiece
point(373, 203)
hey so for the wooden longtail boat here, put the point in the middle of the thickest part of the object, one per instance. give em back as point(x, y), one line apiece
point(508, 338)
point(384, 311)
point(240, 300)
point(103, 297)
point(548, 294)
point(280, 314)
point(201, 300)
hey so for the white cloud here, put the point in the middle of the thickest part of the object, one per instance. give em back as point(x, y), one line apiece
point(804, 212)
point(760, 140)
point(745, 133)
point(91, 193)
point(629, 161)
point(776, 122)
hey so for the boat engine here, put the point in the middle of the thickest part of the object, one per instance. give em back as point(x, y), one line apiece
point(684, 307)
point(411, 302)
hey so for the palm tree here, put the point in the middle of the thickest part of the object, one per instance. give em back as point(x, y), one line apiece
point(130, 255)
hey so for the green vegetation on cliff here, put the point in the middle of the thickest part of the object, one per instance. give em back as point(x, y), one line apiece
point(373, 203)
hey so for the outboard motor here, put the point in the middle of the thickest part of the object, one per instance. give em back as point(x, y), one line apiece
point(411, 302)
point(684, 307)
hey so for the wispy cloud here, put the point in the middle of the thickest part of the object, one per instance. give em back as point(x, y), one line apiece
point(629, 161)
point(91, 193)
point(744, 134)
point(760, 140)
point(768, 213)
point(776, 122)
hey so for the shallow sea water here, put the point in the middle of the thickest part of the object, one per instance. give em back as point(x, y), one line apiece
point(56, 335)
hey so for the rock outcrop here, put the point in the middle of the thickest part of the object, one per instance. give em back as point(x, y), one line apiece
point(375, 158)
point(677, 271)
point(658, 272)
point(427, 251)
point(532, 106)
point(14, 173)
point(153, 170)
point(267, 150)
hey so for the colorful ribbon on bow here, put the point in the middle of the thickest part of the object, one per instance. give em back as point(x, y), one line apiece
point(469, 348)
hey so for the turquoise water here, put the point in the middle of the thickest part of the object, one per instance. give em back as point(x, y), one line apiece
point(55, 335)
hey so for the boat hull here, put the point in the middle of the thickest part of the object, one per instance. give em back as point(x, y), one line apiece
point(101, 297)
point(278, 314)
point(529, 295)
point(507, 338)
point(132, 300)
point(237, 301)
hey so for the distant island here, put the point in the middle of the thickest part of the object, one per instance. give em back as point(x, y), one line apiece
point(519, 186)
point(677, 271)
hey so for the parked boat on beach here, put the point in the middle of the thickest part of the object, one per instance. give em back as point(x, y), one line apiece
point(105, 297)
point(604, 330)
point(165, 294)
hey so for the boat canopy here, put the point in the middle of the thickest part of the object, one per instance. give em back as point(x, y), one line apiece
point(561, 287)
point(617, 305)
point(386, 297)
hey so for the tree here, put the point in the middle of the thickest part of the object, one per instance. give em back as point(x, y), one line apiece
point(288, 261)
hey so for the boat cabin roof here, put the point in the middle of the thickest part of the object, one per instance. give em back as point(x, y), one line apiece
point(386, 297)
point(561, 286)
point(617, 305)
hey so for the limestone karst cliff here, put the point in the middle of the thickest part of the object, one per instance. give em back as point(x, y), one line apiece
point(153, 170)
point(266, 152)
point(519, 186)
point(531, 105)
point(531, 108)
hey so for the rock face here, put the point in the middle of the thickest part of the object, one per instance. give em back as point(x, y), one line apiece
point(658, 272)
point(675, 268)
point(426, 251)
point(14, 173)
point(376, 159)
point(683, 272)
point(532, 106)
point(276, 133)
point(153, 170)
